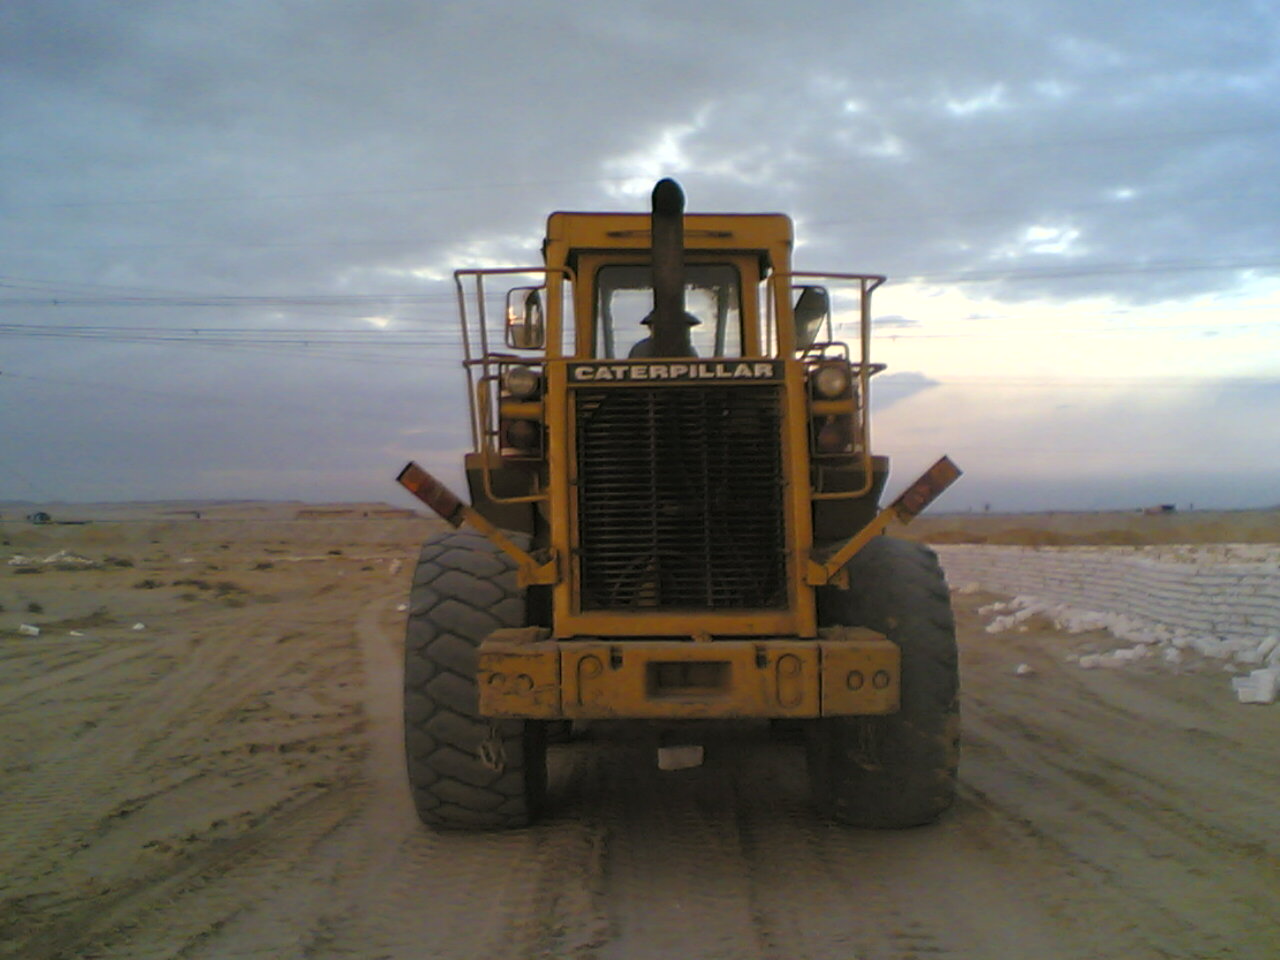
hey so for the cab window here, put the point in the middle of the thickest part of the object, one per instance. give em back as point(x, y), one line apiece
point(624, 300)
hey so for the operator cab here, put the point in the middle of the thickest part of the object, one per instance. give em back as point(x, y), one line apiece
point(624, 307)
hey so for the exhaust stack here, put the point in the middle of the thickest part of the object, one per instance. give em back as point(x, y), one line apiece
point(670, 329)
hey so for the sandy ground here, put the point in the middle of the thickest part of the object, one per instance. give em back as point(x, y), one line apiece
point(227, 782)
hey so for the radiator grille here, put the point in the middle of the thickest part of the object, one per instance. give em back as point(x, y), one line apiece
point(680, 497)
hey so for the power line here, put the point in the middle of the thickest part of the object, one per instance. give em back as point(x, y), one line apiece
point(74, 296)
point(51, 298)
point(367, 348)
point(406, 348)
point(328, 300)
point(247, 244)
point(244, 334)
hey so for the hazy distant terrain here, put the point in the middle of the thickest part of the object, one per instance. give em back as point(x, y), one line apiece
point(1118, 528)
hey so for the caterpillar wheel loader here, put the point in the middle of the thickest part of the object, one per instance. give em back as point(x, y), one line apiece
point(674, 516)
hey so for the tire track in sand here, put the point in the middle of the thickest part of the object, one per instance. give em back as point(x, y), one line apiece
point(369, 880)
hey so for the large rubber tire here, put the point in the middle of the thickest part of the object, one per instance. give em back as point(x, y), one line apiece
point(465, 772)
point(897, 770)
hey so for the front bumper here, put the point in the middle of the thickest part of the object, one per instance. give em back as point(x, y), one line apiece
point(848, 671)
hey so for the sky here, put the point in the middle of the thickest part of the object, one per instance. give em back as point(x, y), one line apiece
point(227, 230)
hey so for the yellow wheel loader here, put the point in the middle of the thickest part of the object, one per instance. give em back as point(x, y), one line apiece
point(674, 517)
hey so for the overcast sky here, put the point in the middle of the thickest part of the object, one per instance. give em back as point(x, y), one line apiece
point(1076, 202)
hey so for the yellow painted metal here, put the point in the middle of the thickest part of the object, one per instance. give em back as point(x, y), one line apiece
point(518, 675)
point(797, 618)
point(677, 623)
point(821, 573)
point(769, 234)
point(904, 509)
point(555, 277)
point(799, 514)
point(563, 504)
point(653, 679)
point(581, 243)
point(489, 453)
point(850, 671)
point(837, 408)
point(862, 368)
point(518, 679)
point(577, 245)
point(861, 673)
point(530, 571)
point(520, 410)
point(480, 356)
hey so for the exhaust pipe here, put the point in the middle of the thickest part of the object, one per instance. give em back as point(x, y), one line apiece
point(670, 325)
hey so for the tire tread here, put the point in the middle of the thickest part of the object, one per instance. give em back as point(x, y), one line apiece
point(898, 588)
point(463, 589)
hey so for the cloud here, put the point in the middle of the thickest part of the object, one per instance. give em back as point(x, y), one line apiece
point(890, 388)
point(894, 322)
point(1000, 159)
point(992, 98)
point(1076, 446)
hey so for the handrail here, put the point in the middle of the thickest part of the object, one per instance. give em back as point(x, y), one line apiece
point(867, 283)
point(488, 453)
point(485, 357)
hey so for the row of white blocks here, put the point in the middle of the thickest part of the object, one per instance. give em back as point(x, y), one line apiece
point(1203, 592)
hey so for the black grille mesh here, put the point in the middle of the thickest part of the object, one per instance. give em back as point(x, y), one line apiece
point(680, 497)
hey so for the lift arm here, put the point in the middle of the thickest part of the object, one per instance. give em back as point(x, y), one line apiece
point(454, 512)
point(909, 505)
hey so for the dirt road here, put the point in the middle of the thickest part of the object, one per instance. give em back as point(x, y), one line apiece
point(227, 782)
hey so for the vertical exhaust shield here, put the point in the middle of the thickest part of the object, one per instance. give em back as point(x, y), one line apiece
point(670, 330)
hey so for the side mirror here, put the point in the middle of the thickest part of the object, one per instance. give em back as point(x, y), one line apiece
point(525, 328)
point(812, 309)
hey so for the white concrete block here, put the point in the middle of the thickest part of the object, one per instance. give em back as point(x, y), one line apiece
point(1258, 687)
point(680, 758)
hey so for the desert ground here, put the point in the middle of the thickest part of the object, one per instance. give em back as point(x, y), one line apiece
point(201, 758)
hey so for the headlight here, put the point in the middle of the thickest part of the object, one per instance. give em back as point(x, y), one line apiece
point(522, 435)
point(834, 436)
point(522, 383)
point(831, 381)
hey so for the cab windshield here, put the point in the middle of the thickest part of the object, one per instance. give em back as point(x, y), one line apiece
point(624, 299)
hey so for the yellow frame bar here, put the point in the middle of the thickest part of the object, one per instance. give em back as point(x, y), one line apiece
point(906, 508)
point(851, 671)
